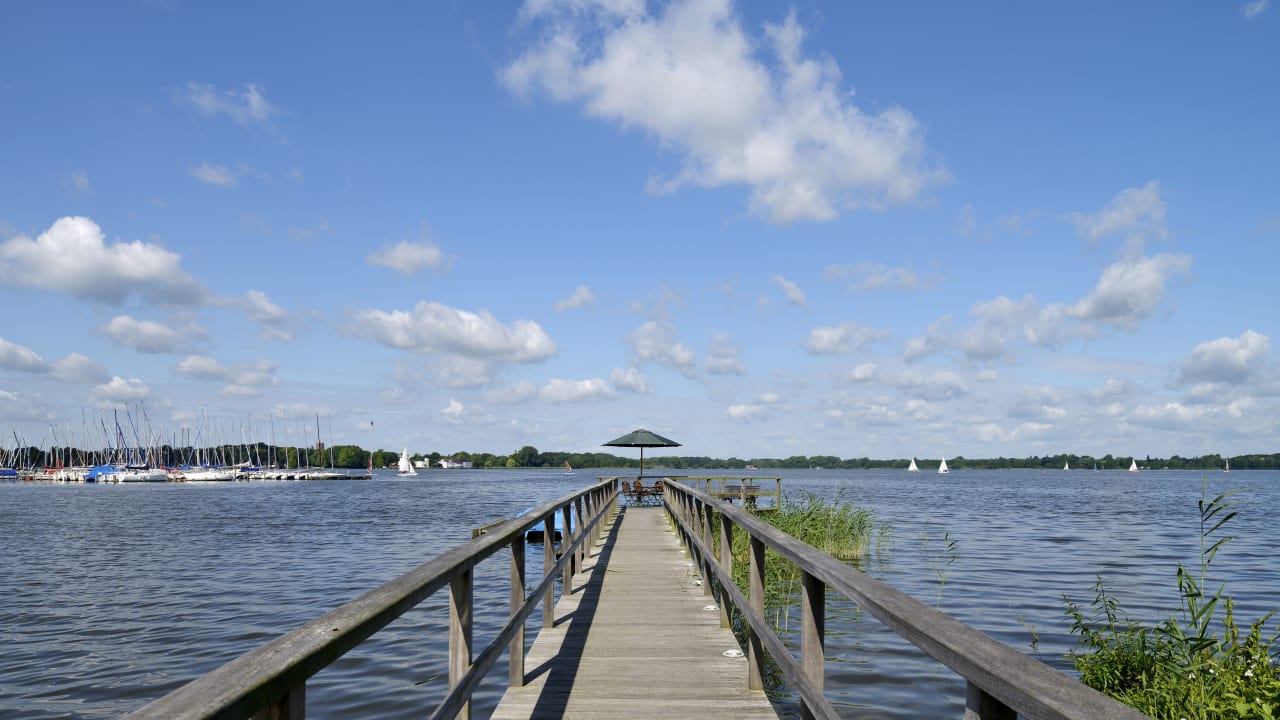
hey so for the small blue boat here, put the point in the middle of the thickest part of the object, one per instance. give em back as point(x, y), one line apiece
point(535, 533)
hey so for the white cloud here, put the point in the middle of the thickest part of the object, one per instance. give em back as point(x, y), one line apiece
point(456, 413)
point(240, 378)
point(214, 174)
point(119, 392)
point(769, 398)
point(630, 380)
point(864, 372)
point(837, 339)
point(1227, 360)
point(691, 77)
point(20, 357)
point(145, 336)
point(874, 276)
point(722, 357)
point(1112, 388)
point(455, 371)
point(1137, 214)
point(76, 368)
point(16, 406)
point(73, 257)
point(1253, 9)
point(244, 107)
point(657, 342)
point(408, 258)
point(794, 295)
point(433, 327)
point(581, 297)
point(80, 180)
point(745, 411)
point(261, 309)
point(933, 385)
point(936, 339)
point(558, 390)
point(1130, 291)
point(997, 321)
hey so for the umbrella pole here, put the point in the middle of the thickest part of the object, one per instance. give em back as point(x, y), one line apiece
point(641, 461)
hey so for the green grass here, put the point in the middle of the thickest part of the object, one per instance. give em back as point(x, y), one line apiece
point(1189, 666)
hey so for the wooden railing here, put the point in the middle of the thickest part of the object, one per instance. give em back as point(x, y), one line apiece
point(1002, 682)
point(270, 682)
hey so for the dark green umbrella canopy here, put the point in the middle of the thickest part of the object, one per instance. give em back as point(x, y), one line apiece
point(642, 439)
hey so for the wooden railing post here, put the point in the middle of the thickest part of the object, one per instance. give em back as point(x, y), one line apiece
point(566, 538)
point(755, 649)
point(515, 661)
point(581, 553)
point(726, 564)
point(292, 706)
point(548, 562)
point(460, 595)
point(978, 705)
point(813, 623)
point(708, 574)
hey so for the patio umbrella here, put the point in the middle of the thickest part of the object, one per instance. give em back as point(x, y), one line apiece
point(642, 439)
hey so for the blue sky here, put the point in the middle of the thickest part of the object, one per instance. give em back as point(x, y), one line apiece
point(857, 229)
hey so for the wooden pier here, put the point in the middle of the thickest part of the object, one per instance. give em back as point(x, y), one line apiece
point(636, 637)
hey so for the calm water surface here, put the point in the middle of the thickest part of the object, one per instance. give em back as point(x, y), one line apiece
point(111, 596)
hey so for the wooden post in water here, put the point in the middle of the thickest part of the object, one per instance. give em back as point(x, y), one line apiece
point(549, 561)
point(813, 623)
point(460, 594)
point(293, 706)
point(978, 705)
point(755, 649)
point(726, 564)
point(515, 661)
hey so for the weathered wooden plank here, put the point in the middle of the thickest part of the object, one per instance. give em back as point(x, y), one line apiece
point(635, 638)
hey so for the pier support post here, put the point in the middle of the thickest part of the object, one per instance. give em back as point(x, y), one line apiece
point(709, 556)
point(726, 564)
point(461, 591)
point(755, 649)
point(515, 651)
point(293, 706)
point(979, 705)
point(813, 622)
point(548, 562)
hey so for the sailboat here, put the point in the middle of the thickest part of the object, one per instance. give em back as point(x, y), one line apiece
point(1133, 465)
point(568, 469)
point(1066, 465)
point(912, 467)
point(405, 464)
point(942, 469)
point(1227, 467)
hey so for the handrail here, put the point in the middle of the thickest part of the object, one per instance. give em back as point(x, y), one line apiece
point(1002, 682)
point(271, 680)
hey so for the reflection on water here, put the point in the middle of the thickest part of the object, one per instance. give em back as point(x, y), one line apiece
point(114, 595)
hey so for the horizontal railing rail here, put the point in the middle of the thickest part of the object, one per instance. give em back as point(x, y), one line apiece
point(270, 682)
point(1002, 683)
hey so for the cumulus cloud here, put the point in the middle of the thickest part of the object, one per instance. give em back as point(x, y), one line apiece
point(932, 385)
point(245, 107)
point(242, 379)
point(558, 390)
point(794, 294)
point(778, 122)
point(722, 357)
point(73, 257)
point(1130, 291)
point(745, 411)
point(409, 258)
point(657, 342)
point(1137, 214)
point(211, 174)
point(77, 368)
point(581, 297)
point(839, 338)
point(864, 372)
point(119, 392)
point(145, 336)
point(456, 413)
point(630, 380)
point(433, 327)
point(865, 277)
point(259, 308)
point(1227, 360)
point(20, 357)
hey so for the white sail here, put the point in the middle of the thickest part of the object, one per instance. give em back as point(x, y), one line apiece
point(943, 467)
point(1227, 467)
point(1066, 466)
point(912, 467)
point(405, 464)
point(1133, 466)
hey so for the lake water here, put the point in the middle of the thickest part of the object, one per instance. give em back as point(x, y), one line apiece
point(111, 596)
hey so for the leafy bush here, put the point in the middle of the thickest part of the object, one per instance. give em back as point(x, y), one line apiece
point(1181, 668)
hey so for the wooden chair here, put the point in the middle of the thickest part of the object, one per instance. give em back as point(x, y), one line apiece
point(626, 487)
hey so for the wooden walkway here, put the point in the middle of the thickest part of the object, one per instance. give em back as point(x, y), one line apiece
point(634, 639)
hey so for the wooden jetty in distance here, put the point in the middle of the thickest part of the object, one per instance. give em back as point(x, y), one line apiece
point(641, 629)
